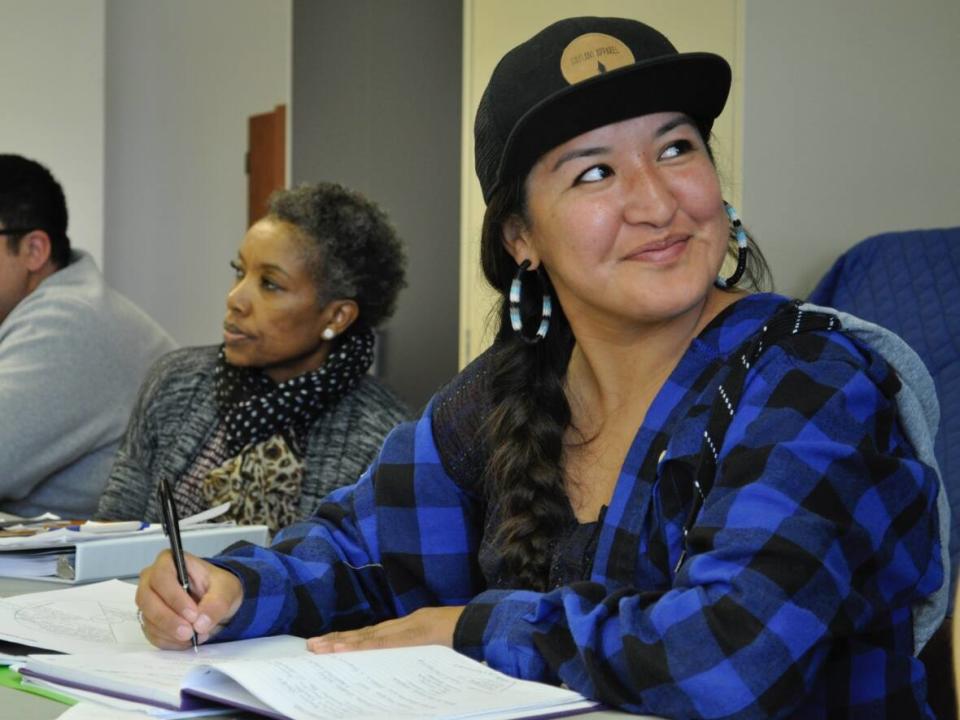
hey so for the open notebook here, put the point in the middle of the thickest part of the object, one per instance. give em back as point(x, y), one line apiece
point(279, 678)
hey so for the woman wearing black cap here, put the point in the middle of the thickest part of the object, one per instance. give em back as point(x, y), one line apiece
point(667, 493)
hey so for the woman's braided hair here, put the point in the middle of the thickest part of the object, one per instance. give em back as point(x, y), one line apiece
point(530, 413)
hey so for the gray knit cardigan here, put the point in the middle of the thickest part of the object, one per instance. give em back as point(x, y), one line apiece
point(176, 414)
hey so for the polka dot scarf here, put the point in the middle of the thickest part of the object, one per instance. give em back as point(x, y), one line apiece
point(253, 407)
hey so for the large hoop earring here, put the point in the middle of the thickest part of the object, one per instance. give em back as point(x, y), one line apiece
point(546, 304)
point(736, 232)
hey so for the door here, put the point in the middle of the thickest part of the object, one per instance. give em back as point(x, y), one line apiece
point(266, 159)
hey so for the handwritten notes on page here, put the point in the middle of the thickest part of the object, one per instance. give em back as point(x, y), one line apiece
point(412, 683)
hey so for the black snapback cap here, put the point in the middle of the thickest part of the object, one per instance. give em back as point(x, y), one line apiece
point(579, 74)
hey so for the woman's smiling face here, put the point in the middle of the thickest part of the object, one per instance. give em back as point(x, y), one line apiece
point(274, 318)
point(628, 221)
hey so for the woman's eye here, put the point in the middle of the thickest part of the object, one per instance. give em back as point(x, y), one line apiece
point(676, 149)
point(269, 284)
point(594, 174)
point(237, 270)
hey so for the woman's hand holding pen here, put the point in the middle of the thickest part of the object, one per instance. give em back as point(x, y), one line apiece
point(171, 616)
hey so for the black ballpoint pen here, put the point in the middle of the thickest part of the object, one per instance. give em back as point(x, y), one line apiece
point(171, 527)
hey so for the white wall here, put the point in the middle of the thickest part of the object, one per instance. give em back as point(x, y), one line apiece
point(52, 101)
point(182, 78)
point(851, 113)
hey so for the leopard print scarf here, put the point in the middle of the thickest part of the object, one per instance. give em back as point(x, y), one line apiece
point(262, 485)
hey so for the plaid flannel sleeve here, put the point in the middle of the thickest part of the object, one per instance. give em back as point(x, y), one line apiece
point(403, 537)
point(820, 530)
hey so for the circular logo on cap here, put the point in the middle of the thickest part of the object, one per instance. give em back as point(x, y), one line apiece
point(593, 54)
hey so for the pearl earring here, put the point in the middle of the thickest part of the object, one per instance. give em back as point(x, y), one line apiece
point(328, 334)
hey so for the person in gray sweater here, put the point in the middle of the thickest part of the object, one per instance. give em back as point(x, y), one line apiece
point(283, 412)
point(73, 353)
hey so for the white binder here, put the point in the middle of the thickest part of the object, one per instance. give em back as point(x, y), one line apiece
point(124, 556)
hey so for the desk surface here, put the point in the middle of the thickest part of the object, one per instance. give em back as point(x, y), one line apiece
point(16, 586)
point(24, 706)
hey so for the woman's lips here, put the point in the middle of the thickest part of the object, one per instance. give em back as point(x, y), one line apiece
point(232, 334)
point(663, 251)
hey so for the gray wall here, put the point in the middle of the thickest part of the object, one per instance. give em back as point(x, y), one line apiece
point(376, 106)
point(182, 76)
point(850, 126)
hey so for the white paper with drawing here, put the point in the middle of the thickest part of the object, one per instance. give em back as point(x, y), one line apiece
point(83, 619)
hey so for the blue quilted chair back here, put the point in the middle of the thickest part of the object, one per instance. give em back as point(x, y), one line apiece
point(909, 282)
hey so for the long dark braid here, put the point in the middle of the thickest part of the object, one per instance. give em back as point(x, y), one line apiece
point(530, 414)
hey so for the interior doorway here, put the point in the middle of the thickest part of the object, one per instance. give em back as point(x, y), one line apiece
point(266, 159)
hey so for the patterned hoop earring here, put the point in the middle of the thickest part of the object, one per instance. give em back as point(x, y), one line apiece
point(736, 231)
point(546, 305)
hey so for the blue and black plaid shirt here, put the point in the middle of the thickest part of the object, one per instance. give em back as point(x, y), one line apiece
point(794, 596)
